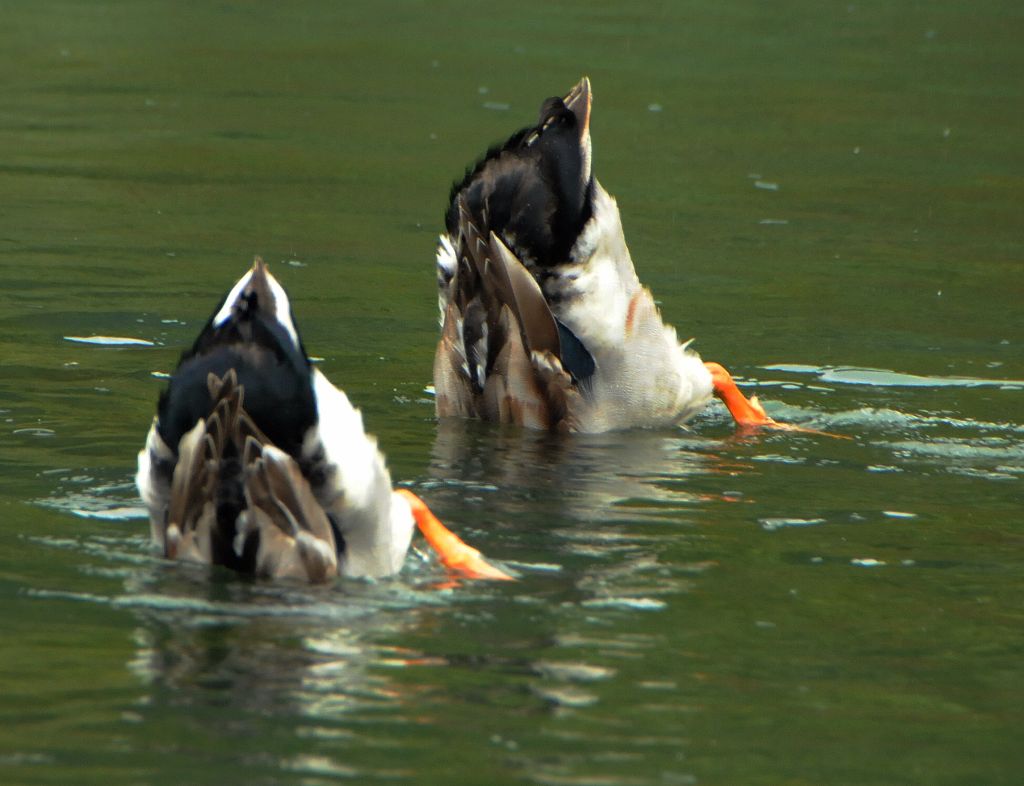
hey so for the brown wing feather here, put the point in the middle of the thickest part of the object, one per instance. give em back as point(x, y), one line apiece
point(453, 392)
point(293, 535)
point(513, 393)
point(191, 514)
point(496, 309)
point(525, 298)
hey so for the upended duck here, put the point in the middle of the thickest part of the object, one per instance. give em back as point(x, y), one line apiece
point(255, 461)
point(544, 322)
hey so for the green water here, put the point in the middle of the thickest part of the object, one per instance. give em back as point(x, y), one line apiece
point(814, 190)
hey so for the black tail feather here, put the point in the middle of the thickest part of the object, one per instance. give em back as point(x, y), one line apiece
point(535, 190)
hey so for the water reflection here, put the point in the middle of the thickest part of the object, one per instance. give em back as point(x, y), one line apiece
point(609, 535)
point(302, 681)
point(321, 682)
point(279, 663)
point(316, 698)
point(610, 478)
point(615, 512)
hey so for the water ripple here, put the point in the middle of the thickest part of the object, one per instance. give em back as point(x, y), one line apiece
point(887, 418)
point(878, 377)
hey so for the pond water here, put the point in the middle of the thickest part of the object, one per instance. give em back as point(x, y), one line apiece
point(828, 196)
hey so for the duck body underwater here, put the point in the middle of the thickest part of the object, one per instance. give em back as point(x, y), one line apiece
point(544, 322)
point(256, 462)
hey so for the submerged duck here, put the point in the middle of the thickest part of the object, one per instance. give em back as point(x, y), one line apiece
point(257, 462)
point(544, 322)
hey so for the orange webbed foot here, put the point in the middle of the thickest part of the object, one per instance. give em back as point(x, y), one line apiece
point(748, 412)
point(454, 553)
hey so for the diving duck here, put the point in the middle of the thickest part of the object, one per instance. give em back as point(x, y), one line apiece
point(544, 322)
point(255, 461)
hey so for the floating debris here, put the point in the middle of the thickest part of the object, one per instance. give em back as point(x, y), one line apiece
point(630, 604)
point(536, 567)
point(773, 524)
point(35, 432)
point(110, 341)
point(880, 377)
point(112, 514)
point(867, 562)
point(572, 671)
point(565, 696)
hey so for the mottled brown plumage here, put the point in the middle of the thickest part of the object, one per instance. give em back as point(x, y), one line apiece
point(276, 529)
point(544, 322)
point(503, 363)
point(256, 462)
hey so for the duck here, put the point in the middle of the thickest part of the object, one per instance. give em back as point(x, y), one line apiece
point(543, 320)
point(255, 461)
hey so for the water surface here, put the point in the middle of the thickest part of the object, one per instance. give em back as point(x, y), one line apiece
point(826, 196)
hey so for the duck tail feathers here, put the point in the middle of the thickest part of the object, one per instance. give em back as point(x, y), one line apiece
point(238, 500)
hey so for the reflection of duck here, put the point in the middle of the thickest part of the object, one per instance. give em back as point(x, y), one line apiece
point(625, 477)
point(306, 654)
point(544, 322)
point(257, 462)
